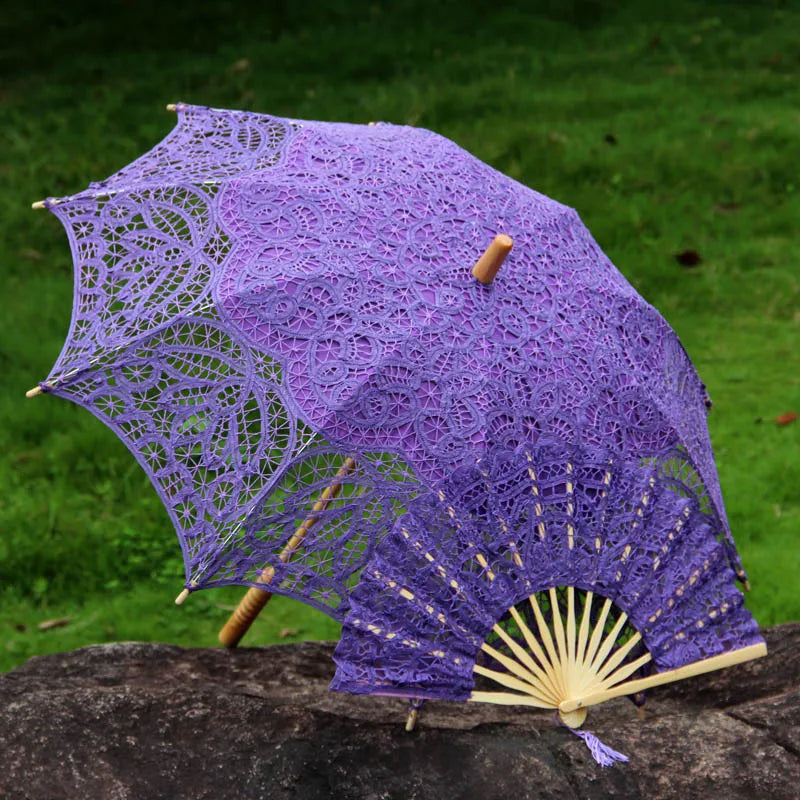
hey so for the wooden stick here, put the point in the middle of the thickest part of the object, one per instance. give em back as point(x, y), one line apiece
point(411, 719)
point(181, 597)
point(583, 633)
point(488, 265)
point(256, 598)
point(504, 679)
point(522, 654)
point(544, 632)
point(532, 686)
point(530, 640)
point(507, 699)
point(623, 672)
point(597, 633)
point(608, 643)
point(33, 392)
point(558, 626)
point(484, 563)
point(688, 671)
point(618, 657)
point(572, 678)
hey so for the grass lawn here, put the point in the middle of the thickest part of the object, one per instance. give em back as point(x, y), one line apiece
point(667, 133)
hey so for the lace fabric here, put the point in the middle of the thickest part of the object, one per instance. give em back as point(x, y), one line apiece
point(258, 299)
point(518, 522)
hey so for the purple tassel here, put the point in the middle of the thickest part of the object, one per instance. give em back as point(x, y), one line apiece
point(601, 753)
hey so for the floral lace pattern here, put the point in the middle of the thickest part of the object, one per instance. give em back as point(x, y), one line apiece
point(258, 299)
point(519, 522)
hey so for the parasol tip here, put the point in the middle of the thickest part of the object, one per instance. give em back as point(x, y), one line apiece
point(742, 576)
point(39, 204)
point(489, 263)
point(414, 708)
point(181, 597)
point(172, 107)
point(411, 720)
point(33, 392)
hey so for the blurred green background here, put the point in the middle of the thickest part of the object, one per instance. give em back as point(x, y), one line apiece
point(670, 130)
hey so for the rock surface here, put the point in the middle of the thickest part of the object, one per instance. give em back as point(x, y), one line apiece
point(157, 721)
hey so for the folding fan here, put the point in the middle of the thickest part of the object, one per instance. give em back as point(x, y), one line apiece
point(551, 577)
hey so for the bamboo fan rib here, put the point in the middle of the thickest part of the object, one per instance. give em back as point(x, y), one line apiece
point(558, 665)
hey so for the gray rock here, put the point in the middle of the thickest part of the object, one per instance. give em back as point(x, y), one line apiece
point(155, 721)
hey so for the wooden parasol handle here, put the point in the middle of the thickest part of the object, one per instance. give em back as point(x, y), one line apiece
point(256, 598)
point(244, 615)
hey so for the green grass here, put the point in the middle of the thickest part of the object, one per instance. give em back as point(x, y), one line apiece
point(701, 103)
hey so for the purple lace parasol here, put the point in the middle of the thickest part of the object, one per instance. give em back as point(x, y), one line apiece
point(266, 308)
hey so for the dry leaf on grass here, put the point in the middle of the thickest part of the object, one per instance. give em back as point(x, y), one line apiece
point(688, 258)
point(49, 624)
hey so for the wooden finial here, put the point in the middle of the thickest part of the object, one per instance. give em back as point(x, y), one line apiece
point(181, 597)
point(49, 203)
point(172, 107)
point(33, 392)
point(742, 576)
point(411, 719)
point(490, 262)
point(413, 713)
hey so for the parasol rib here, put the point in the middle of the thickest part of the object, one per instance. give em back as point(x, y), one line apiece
point(256, 598)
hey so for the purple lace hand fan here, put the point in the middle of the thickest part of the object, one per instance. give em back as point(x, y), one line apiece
point(279, 319)
point(564, 575)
